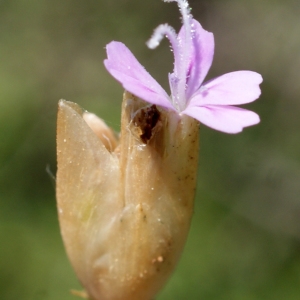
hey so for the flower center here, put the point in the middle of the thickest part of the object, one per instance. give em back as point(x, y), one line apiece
point(182, 47)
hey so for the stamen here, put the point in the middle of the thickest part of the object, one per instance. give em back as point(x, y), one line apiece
point(182, 52)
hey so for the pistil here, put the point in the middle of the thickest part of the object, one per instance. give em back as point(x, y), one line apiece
point(185, 46)
point(182, 47)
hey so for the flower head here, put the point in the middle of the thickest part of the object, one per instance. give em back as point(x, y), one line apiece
point(212, 102)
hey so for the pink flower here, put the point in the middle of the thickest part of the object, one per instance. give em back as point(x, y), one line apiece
point(211, 102)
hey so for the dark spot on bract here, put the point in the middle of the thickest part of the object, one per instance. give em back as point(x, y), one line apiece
point(146, 119)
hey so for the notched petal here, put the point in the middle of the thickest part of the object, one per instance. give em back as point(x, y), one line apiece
point(124, 67)
point(201, 59)
point(228, 119)
point(233, 88)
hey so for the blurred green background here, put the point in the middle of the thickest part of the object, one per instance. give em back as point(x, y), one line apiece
point(244, 241)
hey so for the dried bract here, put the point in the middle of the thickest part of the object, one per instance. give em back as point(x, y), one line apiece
point(125, 214)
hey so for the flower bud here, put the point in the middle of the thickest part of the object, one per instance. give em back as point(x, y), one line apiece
point(125, 206)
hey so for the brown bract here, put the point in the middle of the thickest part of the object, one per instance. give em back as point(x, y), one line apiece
point(125, 210)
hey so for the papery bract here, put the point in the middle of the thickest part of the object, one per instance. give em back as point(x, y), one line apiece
point(193, 47)
point(124, 206)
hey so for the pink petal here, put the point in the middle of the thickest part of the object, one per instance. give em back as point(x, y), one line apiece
point(229, 119)
point(201, 56)
point(124, 67)
point(230, 89)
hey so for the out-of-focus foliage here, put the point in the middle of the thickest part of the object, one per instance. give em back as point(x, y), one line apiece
point(244, 241)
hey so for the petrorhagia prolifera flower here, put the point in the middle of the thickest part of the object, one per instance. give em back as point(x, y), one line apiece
point(125, 203)
point(211, 103)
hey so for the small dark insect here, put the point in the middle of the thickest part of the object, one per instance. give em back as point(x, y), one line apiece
point(146, 119)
